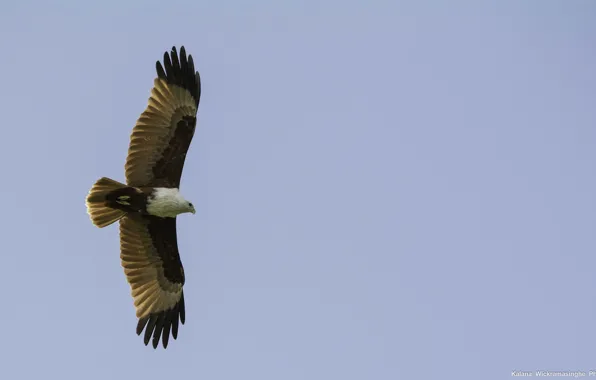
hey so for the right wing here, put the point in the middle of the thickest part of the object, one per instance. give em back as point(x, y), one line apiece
point(163, 133)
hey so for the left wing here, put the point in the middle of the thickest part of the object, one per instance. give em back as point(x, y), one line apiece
point(149, 255)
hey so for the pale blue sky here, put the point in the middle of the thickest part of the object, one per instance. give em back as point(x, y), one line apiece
point(384, 189)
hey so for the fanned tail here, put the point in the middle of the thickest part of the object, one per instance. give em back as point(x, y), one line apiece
point(101, 214)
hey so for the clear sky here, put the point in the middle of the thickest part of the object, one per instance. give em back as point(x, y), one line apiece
point(384, 190)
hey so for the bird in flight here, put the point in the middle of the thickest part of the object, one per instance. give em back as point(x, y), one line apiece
point(148, 204)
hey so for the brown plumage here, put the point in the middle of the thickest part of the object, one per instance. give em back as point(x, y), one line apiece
point(156, 156)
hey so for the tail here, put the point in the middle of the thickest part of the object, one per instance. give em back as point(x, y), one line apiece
point(101, 214)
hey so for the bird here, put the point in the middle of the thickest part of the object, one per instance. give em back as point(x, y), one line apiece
point(147, 205)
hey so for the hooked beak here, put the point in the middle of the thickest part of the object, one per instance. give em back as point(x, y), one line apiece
point(193, 210)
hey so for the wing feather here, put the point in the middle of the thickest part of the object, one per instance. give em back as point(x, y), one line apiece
point(163, 133)
point(151, 262)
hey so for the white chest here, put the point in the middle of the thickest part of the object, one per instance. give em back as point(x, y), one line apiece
point(166, 203)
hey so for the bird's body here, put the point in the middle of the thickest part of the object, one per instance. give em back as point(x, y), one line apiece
point(148, 204)
point(164, 202)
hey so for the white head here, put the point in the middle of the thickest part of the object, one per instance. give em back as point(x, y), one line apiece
point(190, 208)
point(182, 205)
point(168, 202)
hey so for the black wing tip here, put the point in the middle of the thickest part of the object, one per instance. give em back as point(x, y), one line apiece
point(179, 69)
point(160, 325)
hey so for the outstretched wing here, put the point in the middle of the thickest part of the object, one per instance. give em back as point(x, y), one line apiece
point(162, 134)
point(149, 255)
